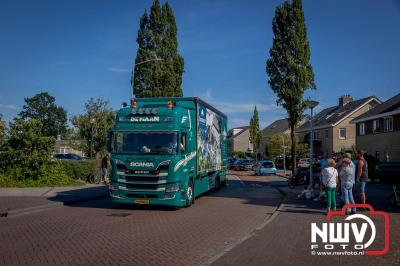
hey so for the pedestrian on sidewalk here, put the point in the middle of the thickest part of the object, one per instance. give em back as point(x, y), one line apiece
point(362, 176)
point(104, 168)
point(339, 166)
point(347, 179)
point(330, 180)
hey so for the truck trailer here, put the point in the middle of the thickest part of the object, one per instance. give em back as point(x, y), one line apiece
point(167, 151)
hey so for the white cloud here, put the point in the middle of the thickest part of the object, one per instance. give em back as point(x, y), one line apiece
point(232, 107)
point(8, 106)
point(119, 70)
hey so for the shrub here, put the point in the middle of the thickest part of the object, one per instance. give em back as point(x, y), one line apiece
point(53, 174)
point(81, 170)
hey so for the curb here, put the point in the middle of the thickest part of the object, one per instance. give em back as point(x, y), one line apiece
point(251, 234)
point(15, 212)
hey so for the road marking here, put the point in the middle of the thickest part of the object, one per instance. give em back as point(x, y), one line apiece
point(234, 177)
point(253, 233)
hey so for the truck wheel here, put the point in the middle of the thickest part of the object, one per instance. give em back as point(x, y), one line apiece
point(224, 183)
point(217, 185)
point(190, 194)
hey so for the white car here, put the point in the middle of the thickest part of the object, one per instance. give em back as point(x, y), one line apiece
point(304, 163)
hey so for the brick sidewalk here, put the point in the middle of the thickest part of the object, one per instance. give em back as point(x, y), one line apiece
point(18, 200)
point(99, 232)
point(286, 240)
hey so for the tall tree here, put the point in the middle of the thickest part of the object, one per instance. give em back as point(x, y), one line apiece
point(93, 125)
point(276, 142)
point(289, 69)
point(158, 65)
point(42, 107)
point(27, 151)
point(255, 133)
point(2, 130)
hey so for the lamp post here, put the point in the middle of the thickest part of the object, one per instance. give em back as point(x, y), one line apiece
point(137, 64)
point(284, 155)
point(311, 104)
point(92, 121)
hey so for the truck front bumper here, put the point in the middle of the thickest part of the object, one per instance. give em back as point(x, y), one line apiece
point(175, 199)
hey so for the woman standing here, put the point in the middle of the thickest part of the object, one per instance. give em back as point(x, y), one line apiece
point(330, 180)
point(346, 176)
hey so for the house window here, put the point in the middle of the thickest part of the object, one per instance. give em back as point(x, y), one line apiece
point(315, 135)
point(375, 126)
point(326, 134)
point(342, 133)
point(388, 124)
point(361, 129)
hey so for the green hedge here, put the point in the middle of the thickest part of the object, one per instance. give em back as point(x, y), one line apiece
point(82, 170)
point(53, 174)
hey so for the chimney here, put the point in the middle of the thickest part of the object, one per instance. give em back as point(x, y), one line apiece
point(345, 99)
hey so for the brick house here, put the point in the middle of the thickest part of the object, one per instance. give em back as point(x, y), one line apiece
point(333, 130)
point(238, 140)
point(277, 127)
point(378, 131)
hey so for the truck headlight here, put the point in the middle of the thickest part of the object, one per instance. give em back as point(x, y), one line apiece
point(173, 188)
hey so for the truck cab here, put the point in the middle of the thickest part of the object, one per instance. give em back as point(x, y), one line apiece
point(153, 146)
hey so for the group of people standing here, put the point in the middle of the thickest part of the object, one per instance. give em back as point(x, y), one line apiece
point(342, 176)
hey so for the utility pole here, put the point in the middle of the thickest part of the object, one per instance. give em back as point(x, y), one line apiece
point(311, 104)
point(284, 156)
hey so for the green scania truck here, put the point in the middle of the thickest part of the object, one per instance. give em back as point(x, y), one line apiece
point(167, 151)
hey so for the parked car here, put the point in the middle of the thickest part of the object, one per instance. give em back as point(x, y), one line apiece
point(265, 167)
point(68, 156)
point(243, 164)
point(303, 163)
point(231, 163)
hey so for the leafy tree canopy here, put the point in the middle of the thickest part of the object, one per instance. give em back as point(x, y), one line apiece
point(27, 150)
point(93, 125)
point(277, 141)
point(256, 136)
point(289, 69)
point(42, 107)
point(158, 65)
point(2, 130)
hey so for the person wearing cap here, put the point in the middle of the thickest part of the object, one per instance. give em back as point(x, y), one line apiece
point(347, 178)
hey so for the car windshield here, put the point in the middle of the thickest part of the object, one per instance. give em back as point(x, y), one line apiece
point(267, 165)
point(145, 143)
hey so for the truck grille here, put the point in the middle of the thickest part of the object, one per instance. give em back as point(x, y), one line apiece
point(141, 178)
point(142, 196)
point(142, 186)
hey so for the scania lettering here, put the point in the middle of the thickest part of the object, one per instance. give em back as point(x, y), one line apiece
point(167, 151)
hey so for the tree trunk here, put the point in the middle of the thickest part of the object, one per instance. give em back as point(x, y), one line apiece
point(293, 150)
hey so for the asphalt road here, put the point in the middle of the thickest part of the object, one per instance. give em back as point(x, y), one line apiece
point(99, 232)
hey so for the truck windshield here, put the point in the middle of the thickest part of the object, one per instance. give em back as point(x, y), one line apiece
point(145, 143)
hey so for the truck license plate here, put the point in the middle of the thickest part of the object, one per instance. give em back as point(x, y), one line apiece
point(138, 201)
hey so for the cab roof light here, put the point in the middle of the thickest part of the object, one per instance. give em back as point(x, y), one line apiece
point(170, 104)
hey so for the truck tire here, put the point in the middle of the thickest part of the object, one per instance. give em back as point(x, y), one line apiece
point(217, 185)
point(224, 183)
point(190, 194)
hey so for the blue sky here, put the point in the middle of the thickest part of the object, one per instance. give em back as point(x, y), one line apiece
point(81, 49)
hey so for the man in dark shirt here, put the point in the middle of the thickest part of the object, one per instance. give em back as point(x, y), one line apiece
point(104, 166)
point(362, 175)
